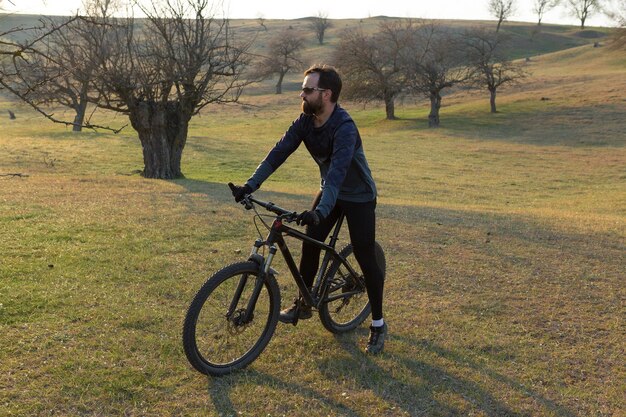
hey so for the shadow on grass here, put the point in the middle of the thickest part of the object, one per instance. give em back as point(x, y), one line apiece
point(435, 383)
point(221, 193)
point(443, 225)
point(216, 190)
point(219, 390)
point(542, 125)
point(437, 393)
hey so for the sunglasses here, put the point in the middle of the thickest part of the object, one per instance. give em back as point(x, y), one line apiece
point(309, 90)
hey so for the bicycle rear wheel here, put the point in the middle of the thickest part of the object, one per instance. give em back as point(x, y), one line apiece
point(217, 337)
point(348, 305)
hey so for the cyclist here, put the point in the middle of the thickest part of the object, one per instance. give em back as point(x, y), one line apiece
point(332, 138)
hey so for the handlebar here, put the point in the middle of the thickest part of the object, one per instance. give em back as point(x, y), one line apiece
point(284, 214)
point(268, 205)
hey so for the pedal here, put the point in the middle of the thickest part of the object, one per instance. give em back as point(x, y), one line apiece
point(298, 307)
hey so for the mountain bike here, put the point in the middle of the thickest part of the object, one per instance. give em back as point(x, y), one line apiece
point(234, 314)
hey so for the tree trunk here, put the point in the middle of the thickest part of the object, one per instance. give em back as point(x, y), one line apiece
point(79, 119)
point(279, 84)
point(492, 100)
point(435, 105)
point(390, 108)
point(81, 108)
point(162, 130)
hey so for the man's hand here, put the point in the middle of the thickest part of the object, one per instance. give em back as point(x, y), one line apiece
point(308, 218)
point(239, 192)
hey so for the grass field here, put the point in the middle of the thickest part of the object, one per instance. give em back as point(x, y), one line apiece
point(505, 238)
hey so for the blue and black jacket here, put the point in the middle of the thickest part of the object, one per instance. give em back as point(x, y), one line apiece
point(337, 149)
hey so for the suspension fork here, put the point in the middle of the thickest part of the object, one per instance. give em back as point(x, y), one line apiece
point(254, 256)
point(264, 268)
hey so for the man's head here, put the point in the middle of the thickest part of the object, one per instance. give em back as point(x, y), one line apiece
point(320, 88)
point(329, 79)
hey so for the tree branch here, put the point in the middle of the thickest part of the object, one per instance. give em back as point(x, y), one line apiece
point(51, 116)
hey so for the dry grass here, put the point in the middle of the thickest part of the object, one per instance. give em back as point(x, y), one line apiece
point(505, 238)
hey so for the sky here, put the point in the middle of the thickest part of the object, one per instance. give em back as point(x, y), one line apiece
point(339, 9)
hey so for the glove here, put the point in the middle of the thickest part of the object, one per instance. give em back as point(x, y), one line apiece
point(308, 218)
point(239, 192)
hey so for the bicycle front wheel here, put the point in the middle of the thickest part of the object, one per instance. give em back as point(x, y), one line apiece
point(218, 336)
point(348, 305)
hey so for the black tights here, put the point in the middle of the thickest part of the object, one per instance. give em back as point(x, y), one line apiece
point(361, 219)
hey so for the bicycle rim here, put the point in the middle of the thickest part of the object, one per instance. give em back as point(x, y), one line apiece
point(216, 337)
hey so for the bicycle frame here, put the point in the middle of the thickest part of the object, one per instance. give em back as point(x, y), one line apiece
point(275, 238)
point(234, 314)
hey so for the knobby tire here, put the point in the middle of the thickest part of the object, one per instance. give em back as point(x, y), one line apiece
point(217, 343)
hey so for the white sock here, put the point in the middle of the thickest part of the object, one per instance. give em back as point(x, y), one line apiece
point(378, 323)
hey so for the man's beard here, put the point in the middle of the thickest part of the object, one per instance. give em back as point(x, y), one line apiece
point(312, 108)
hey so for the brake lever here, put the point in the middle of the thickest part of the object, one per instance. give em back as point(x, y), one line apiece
point(246, 198)
point(291, 217)
point(246, 202)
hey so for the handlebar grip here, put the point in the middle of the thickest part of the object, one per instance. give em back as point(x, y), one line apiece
point(243, 200)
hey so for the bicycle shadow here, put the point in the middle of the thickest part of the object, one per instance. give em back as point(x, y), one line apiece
point(434, 382)
point(219, 390)
point(387, 377)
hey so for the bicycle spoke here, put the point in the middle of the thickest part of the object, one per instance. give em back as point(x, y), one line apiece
point(347, 304)
point(230, 337)
point(218, 335)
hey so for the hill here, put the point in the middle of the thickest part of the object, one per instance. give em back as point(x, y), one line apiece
point(529, 39)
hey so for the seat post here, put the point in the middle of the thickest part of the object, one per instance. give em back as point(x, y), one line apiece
point(335, 235)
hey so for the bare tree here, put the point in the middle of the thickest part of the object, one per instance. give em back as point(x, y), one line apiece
point(284, 56)
point(261, 19)
point(21, 71)
point(63, 73)
point(374, 65)
point(541, 7)
point(163, 71)
point(501, 10)
point(583, 9)
point(438, 63)
point(319, 24)
point(486, 54)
